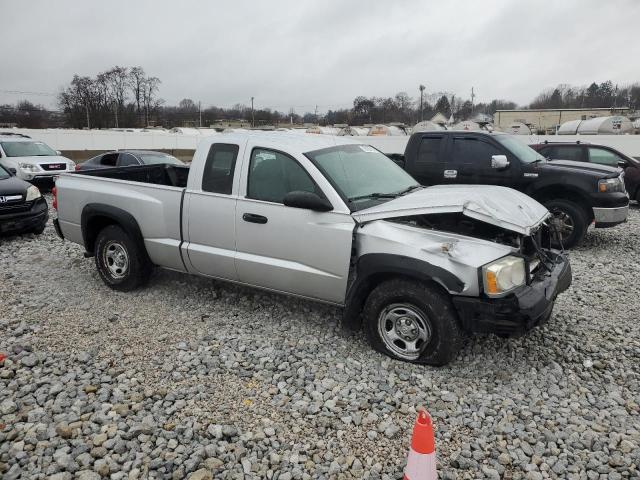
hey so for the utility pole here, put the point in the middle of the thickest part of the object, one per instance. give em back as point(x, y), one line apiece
point(473, 96)
point(316, 115)
point(252, 115)
point(86, 106)
point(422, 87)
point(200, 112)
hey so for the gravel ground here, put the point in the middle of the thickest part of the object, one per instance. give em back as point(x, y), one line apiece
point(191, 378)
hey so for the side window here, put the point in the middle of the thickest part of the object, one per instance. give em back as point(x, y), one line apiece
point(603, 157)
point(109, 159)
point(429, 151)
point(273, 174)
point(472, 151)
point(126, 160)
point(566, 153)
point(219, 168)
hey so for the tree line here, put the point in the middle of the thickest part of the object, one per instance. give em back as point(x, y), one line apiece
point(127, 97)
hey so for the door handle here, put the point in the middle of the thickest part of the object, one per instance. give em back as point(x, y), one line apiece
point(253, 218)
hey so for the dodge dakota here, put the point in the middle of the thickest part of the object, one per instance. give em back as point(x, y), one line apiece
point(329, 219)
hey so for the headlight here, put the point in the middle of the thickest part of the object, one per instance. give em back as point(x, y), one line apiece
point(33, 193)
point(503, 275)
point(609, 185)
point(28, 167)
point(71, 165)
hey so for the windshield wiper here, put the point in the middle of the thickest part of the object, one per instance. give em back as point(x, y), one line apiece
point(385, 195)
point(408, 189)
point(373, 195)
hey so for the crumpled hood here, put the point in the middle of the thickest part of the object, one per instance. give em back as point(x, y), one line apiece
point(500, 206)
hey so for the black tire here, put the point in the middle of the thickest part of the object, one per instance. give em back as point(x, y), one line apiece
point(135, 272)
point(576, 215)
point(435, 306)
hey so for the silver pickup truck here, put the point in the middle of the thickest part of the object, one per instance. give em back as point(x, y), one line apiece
point(329, 219)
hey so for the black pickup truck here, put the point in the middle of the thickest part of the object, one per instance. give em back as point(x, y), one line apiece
point(577, 193)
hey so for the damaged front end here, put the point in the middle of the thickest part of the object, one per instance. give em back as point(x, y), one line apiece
point(545, 274)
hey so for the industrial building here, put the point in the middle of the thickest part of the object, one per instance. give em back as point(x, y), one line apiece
point(547, 120)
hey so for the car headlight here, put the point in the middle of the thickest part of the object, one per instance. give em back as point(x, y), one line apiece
point(610, 185)
point(33, 193)
point(503, 275)
point(28, 167)
point(71, 165)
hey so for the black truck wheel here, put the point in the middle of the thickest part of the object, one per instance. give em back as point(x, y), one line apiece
point(570, 222)
point(121, 261)
point(413, 322)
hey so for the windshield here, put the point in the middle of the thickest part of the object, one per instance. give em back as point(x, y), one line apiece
point(157, 158)
point(3, 173)
point(361, 173)
point(524, 152)
point(27, 149)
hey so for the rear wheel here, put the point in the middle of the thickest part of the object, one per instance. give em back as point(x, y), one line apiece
point(412, 321)
point(570, 223)
point(121, 261)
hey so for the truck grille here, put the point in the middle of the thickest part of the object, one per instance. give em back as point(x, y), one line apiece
point(16, 207)
point(51, 167)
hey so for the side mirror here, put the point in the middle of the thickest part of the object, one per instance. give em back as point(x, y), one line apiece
point(308, 200)
point(622, 163)
point(499, 162)
point(58, 152)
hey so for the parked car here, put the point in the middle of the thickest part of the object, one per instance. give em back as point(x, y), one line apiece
point(329, 219)
point(128, 158)
point(32, 160)
point(22, 207)
point(599, 154)
point(576, 193)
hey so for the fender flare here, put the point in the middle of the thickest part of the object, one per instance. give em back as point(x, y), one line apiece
point(116, 215)
point(370, 267)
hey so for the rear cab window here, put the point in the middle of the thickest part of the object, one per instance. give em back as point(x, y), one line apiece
point(219, 168)
point(430, 150)
point(568, 152)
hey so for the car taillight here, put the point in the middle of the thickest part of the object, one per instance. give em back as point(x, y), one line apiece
point(77, 167)
point(54, 191)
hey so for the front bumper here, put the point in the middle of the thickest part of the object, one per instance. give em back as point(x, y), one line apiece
point(608, 217)
point(32, 219)
point(519, 312)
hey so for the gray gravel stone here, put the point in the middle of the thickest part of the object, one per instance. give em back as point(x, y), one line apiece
point(199, 379)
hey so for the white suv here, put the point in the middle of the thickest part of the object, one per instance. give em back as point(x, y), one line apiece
point(32, 160)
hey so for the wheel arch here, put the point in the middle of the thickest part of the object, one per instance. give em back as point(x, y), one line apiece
point(373, 269)
point(96, 216)
point(564, 192)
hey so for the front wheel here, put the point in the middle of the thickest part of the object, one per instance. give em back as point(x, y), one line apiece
point(121, 261)
point(412, 321)
point(570, 223)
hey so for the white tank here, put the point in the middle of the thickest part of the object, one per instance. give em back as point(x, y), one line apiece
point(467, 125)
point(426, 126)
point(317, 129)
point(605, 126)
point(353, 131)
point(386, 131)
point(570, 127)
point(518, 128)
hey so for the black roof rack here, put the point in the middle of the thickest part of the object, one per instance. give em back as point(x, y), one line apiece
point(13, 134)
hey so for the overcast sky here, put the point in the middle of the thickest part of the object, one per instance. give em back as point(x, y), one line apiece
point(302, 53)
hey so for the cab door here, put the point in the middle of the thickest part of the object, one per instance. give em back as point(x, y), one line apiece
point(210, 208)
point(471, 157)
point(287, 249)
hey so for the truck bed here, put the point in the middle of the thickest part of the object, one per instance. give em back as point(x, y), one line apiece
point(169, 175)
point(151, 194)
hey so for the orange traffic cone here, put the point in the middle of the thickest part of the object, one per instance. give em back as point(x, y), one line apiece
point(421, 462)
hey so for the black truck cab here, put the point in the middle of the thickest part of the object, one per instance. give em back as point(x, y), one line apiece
point(576, 193)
